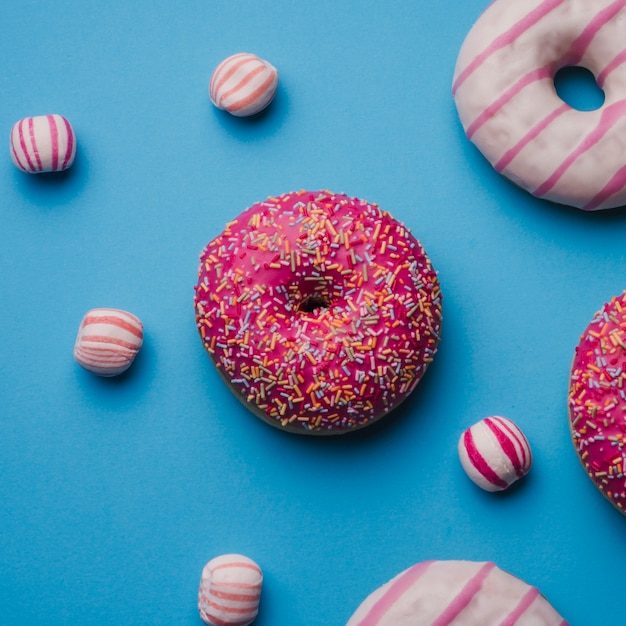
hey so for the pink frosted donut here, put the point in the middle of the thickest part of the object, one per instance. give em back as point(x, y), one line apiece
point(494, 453)
point(455, 593)
point(45, 143)
point(322, 312)
point(243, 84)
point(505, 95)
point(230, 591)
point(597, 400)
point(108, 341)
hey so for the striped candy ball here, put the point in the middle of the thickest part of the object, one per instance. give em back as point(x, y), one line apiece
point(108, 341)
point(456, 593)
point(44, 143)
point(243, 84)
point(230, 590)
point(494, 453)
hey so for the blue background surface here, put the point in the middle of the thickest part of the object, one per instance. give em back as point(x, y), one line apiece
point(115, 493)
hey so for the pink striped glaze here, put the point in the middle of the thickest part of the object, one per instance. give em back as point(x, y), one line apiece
point(494, 453)
point(504, 91)
point(108, 341)
point(243, 84)
point(45, 143)
point(230, 590)
point(455, 593)
point(321, 311)
point(597, 401)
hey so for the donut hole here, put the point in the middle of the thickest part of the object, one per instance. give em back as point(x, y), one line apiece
point(313, 302)
point(578, 87)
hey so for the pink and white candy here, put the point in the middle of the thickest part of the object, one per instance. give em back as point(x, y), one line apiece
point(230, 590)
point(243, 84)
point(108, 341)
point(494, 453)
point(44, 143)
point(456, 593)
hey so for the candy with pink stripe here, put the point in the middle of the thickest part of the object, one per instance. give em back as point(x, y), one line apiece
point(44, 143)
point(504, 91)
point(455, 593)
point(230, 590)
point(108, 341)
point(243, 84)
point(494, 453)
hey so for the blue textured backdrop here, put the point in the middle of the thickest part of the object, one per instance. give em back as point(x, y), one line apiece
point(114, 493)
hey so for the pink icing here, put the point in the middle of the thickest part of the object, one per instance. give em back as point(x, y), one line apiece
point(597, 401)
point(321, 311)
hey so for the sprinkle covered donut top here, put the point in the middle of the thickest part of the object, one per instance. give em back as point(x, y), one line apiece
point(597, 400)
point(321, 311)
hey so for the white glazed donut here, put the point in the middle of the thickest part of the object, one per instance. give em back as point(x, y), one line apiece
point(455, 593)
point(506, 99)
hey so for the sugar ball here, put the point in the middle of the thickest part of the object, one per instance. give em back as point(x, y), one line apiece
point(230, 590)
point(494, 453)
point(44, 143)
point(108, 341)
point(243, 84)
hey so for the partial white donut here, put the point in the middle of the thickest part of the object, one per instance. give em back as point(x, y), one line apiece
point(243, 84)
point(494, 453)
point(504, 92)
point(108, 341)
point(230, 590)
point(455, 593)
point(44, 143)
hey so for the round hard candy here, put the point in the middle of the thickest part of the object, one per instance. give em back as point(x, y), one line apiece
point(108, 341)
point(243, 84)
point(44, 143)
point(494, 453)
point(230, 590)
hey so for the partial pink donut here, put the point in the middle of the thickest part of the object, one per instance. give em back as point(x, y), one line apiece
point(45, 143)
point(243, 84)
point(494, 453)
point(455, 593)
point(597, 400)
